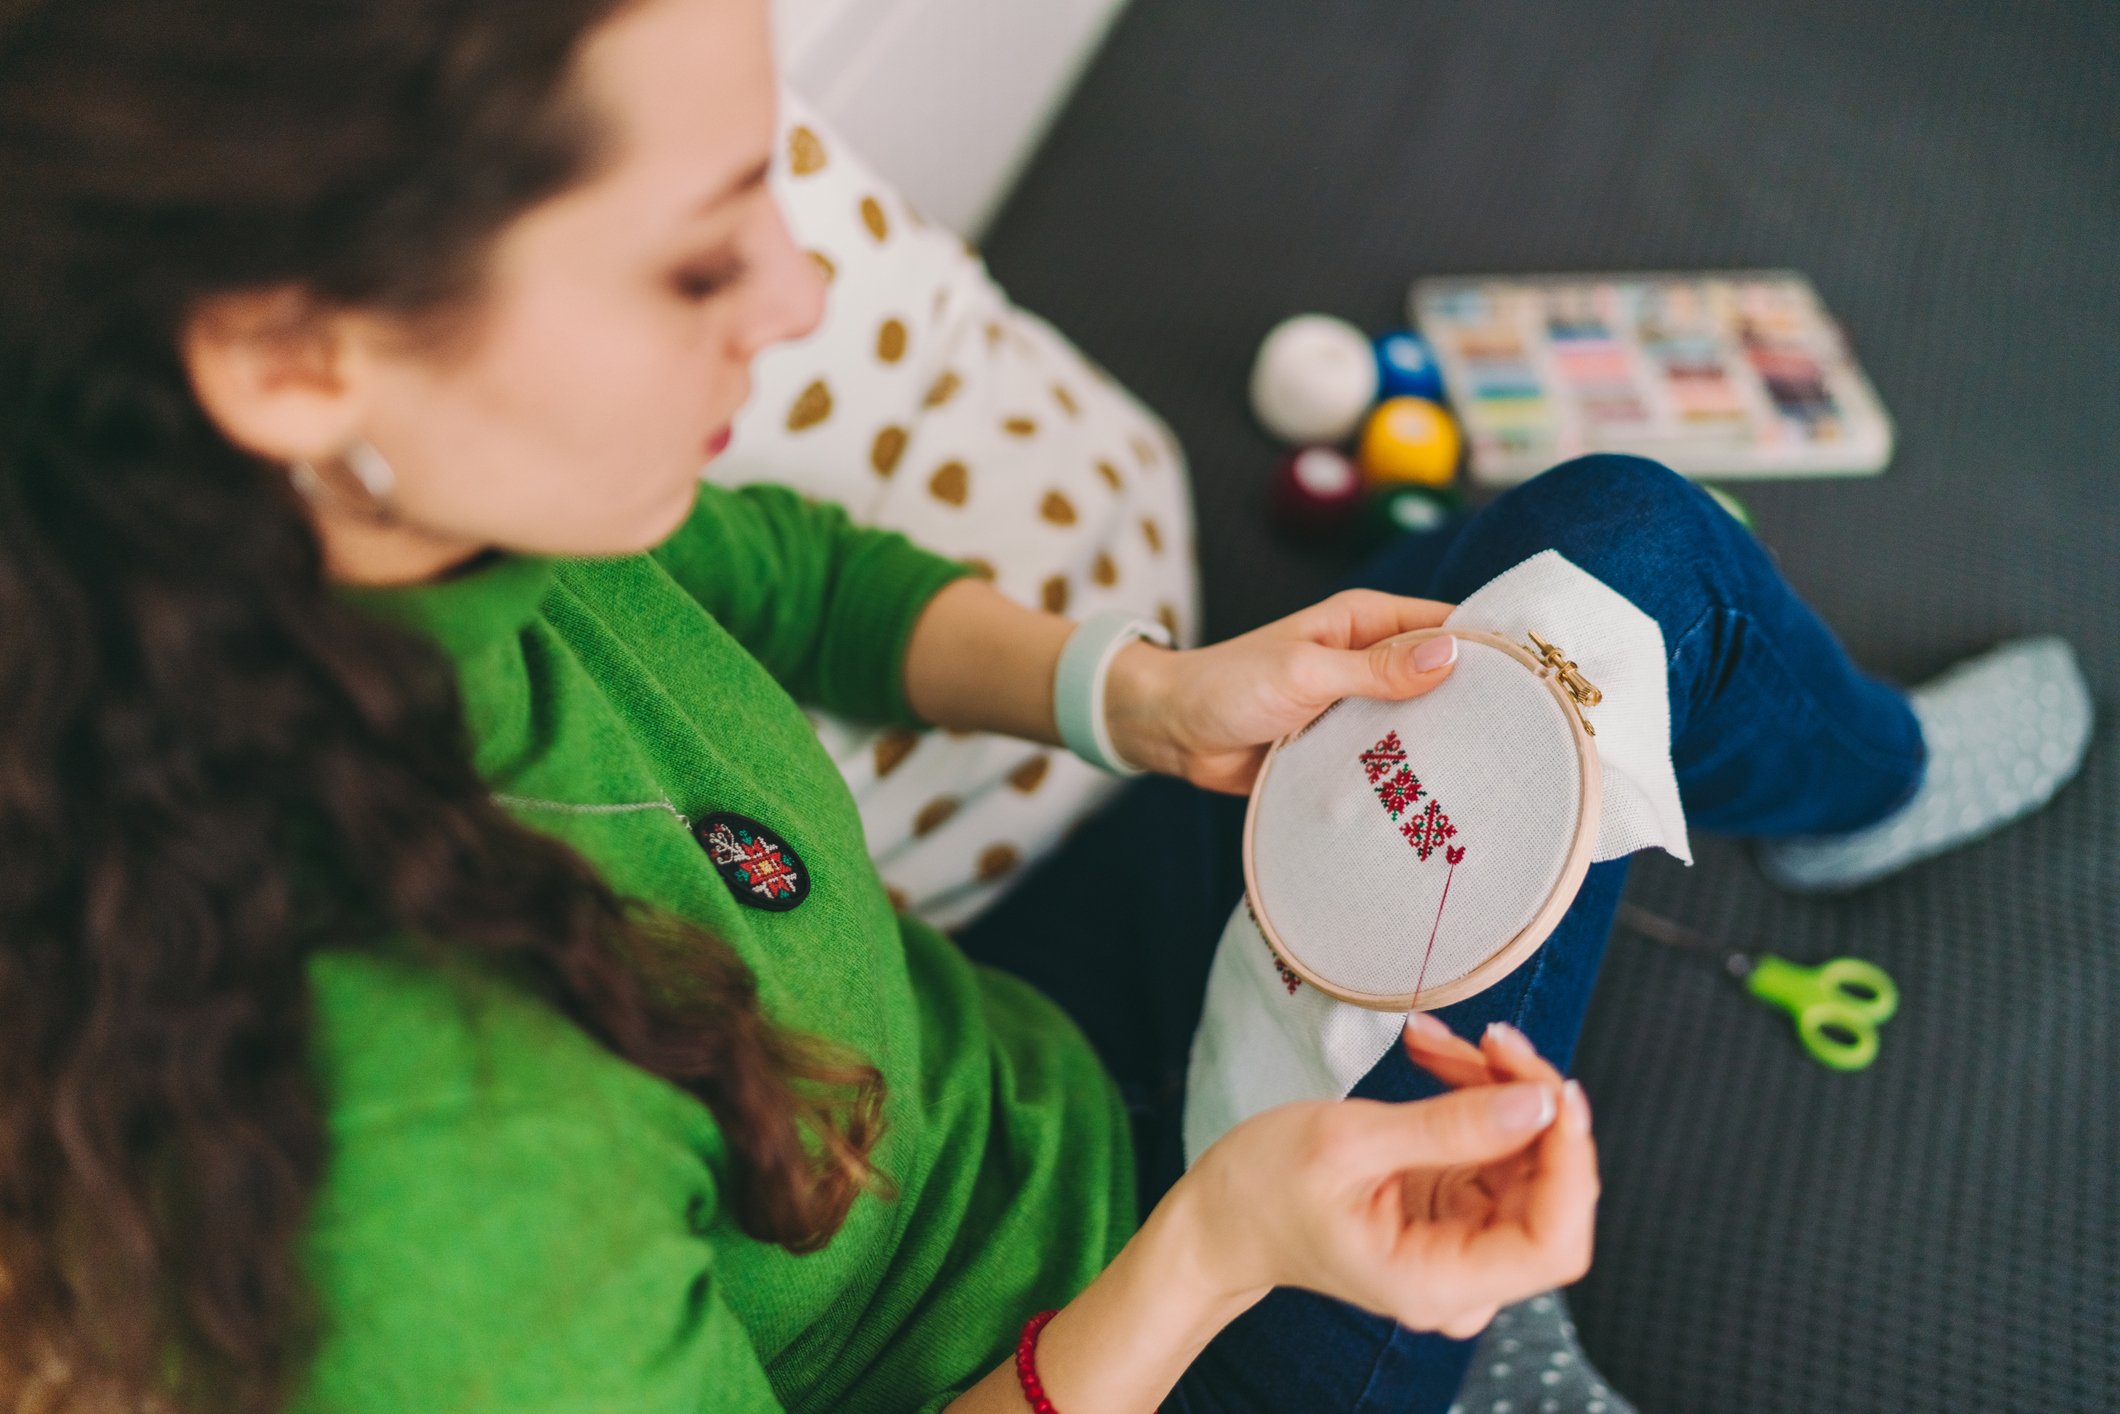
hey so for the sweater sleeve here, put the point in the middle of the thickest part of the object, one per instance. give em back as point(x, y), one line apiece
point(491, 1283)
point(826, 605)
point(493, 1234)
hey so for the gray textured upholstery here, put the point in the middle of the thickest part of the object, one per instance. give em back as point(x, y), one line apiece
point(1941, 1232)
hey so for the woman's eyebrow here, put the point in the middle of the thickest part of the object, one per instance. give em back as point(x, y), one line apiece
point(749, 179)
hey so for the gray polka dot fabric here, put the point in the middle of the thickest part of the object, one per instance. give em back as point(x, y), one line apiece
point(1528, 1362)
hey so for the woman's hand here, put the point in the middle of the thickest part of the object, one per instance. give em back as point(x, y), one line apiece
point(1209, 714)
point(1433, 1212)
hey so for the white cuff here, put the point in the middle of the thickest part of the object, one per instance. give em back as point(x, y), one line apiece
point(1078, 684)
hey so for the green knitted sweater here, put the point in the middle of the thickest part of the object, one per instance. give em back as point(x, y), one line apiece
point(513, 1218)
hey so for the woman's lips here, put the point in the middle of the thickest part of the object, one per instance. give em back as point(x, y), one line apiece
point(720, 440)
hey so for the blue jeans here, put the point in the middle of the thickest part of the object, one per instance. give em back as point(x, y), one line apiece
point(1773, 731)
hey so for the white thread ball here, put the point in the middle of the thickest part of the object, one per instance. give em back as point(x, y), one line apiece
point(1314, 378)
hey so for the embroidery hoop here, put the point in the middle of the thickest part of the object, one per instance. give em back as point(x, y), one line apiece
point(1511, 952)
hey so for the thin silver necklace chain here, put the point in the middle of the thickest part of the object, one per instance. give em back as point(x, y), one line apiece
point(571, 808)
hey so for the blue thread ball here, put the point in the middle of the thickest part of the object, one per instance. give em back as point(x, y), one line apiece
point(1406, 367)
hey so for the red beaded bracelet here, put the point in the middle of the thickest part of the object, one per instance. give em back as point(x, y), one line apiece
point(1027, 1365)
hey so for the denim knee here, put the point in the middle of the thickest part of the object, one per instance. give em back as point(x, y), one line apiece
point(1611, 488)
point(1635, 524)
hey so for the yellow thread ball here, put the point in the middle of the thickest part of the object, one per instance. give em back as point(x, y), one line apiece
point(1410, 440)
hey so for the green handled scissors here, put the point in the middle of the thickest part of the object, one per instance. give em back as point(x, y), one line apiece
point(1838, 1005)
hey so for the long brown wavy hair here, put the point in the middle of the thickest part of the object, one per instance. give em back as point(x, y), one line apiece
point(210, 768)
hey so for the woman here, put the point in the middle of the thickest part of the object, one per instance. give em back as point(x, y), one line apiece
point(440, 968)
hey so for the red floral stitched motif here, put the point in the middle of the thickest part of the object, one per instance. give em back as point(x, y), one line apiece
point(1379, 759)
point(1400, 792)
point(753, 861)
point(1288, 979)
point(1427, 831)
point(1399, 789)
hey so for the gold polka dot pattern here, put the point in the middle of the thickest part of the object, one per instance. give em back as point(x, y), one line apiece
point(872, 218)
point(934, 813)
point(942, 389)
point(893, 747)
point(928, 402)
point(813, 407)
point(890, 341)
point(951, 484)
point(805, 151)
point(888, 447)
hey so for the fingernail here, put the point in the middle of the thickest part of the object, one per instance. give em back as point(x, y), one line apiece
point(1433, 653)
point(1523, 1107)
point(1422, 1024)
point(1511, 1037)
point(1578, 1106)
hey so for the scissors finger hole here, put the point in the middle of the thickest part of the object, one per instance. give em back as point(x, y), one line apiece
point(1839, 1033)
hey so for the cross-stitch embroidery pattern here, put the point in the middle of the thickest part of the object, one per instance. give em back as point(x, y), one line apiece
point(760, 868)
point(1379, 759)
point(1400, 792)
point(1429, 830)
point(1288, 978)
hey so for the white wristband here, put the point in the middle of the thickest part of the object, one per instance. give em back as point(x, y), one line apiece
point(1078, 684)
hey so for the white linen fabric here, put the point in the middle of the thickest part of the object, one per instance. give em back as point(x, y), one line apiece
point(927, 402)
point(1263, 1042)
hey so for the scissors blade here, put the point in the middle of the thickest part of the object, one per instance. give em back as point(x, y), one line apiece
point(1661, 929)
point(1657, 928)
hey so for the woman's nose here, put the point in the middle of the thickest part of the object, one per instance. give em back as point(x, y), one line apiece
point(789, 296)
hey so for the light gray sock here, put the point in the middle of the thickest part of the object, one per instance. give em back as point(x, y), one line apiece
point(1527, 1362)
point(2004, 730)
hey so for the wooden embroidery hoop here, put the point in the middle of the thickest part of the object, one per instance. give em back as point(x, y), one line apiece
point(1567, 686)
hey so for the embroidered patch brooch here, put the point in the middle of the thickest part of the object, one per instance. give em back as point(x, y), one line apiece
point(760, 868)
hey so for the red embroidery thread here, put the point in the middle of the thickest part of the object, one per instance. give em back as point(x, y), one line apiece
point(1288, 978)
point(1379, 759)
point(758, 864)
point(1427, 831)
point(1400, 792)
point(1451, 857)
point(1398, 789)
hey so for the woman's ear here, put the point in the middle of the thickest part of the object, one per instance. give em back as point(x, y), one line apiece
point(280, 378)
